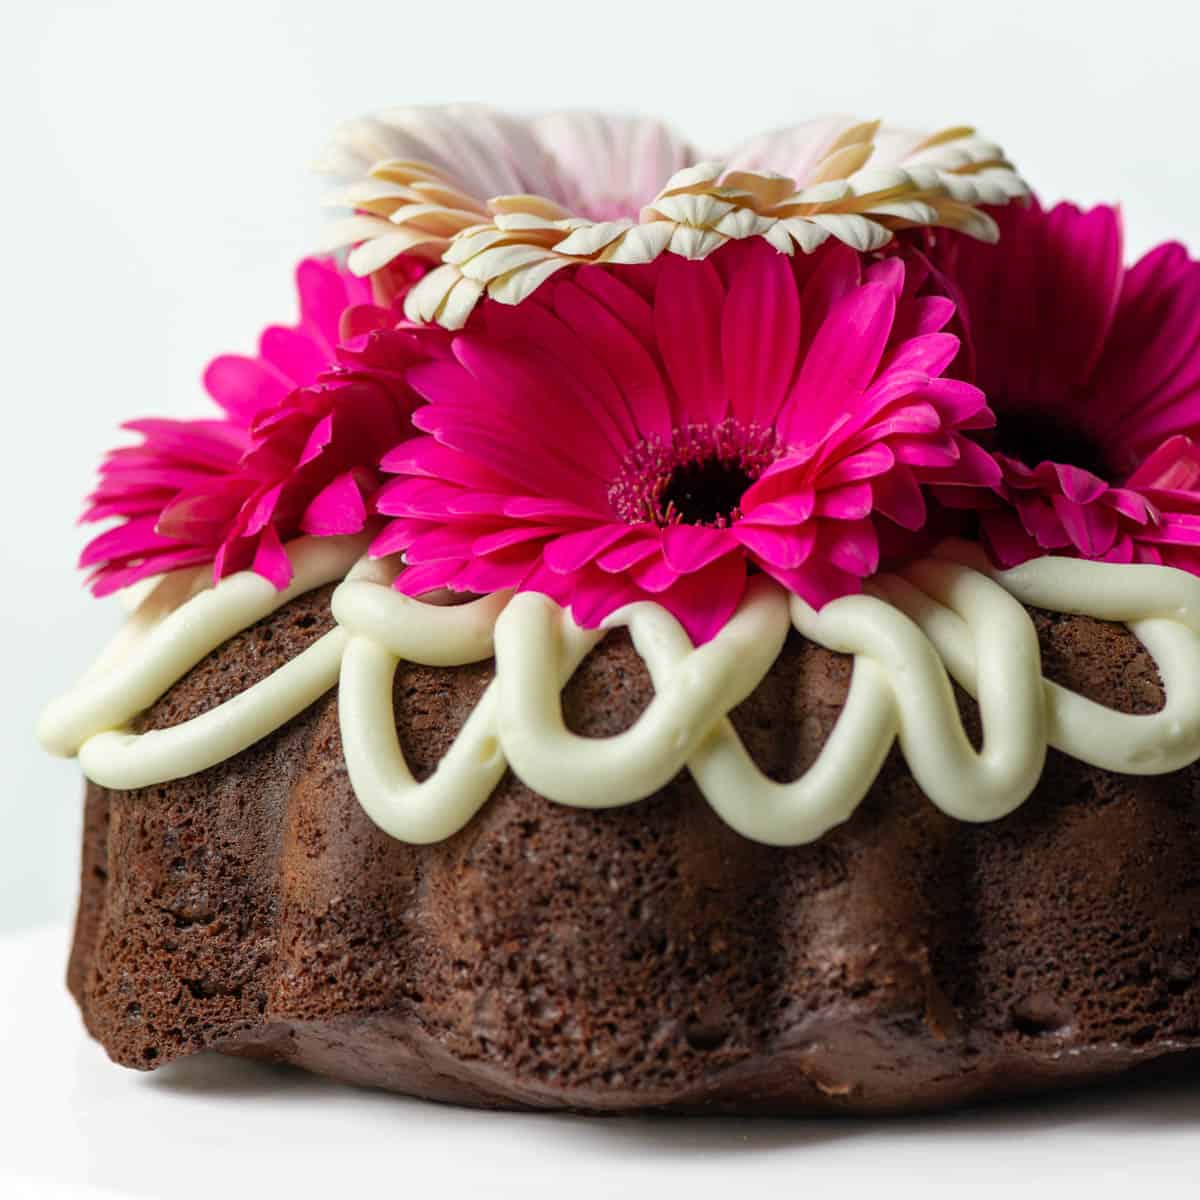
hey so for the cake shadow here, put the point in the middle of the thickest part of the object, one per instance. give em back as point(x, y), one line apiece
point(1159, 1101)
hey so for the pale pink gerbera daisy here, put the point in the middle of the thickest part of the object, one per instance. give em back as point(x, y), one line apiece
point(1094, 374)
point(656, 432)
point(287, 458)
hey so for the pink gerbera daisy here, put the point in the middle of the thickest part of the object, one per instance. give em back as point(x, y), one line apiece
point(656, 432)
point(290, 456)
point(1094, 374)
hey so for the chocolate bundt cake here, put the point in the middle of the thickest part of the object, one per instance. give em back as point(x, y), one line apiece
point(644, 957)
point(664, 634)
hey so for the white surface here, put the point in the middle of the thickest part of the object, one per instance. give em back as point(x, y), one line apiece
point(155, 196)
point(79, 1127)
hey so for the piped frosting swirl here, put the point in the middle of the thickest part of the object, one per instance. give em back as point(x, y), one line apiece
point(950, 616)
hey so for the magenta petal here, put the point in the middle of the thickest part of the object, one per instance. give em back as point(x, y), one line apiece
point(130, 540)
point(642, 544)
point(850, 502)
point(1078, 485)
point(817, 582)
point(633, 371)
point(1175, 465)
point(573, 551)
point(595, 595)
point(394, 537)
point(293, 354)
point(318, 439)
point(791, 508)
point(854, 549)
point(504, 539)
point(787, 548)
point(760, 335)
point(867, 464)
point(840, 363)
point(244, 387)
point(337, 509)
point(897, 496)
point(654, 574)
point(496, 571)
point(428, 577)
point(689, 548)
point(630, 308)
point(257, 515)
point(112, 578)
point(1008, 540)
point(703, 602)
point(688, 324)
point(1042, 520)
point(271, 560)
point(1092, 528)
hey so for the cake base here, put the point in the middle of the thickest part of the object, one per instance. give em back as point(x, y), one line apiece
point(645, 957)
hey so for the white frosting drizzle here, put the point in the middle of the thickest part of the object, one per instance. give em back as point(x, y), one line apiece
point(949, 613)
point(180, 622)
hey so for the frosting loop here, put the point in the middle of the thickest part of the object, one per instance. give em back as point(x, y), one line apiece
point(950, 616)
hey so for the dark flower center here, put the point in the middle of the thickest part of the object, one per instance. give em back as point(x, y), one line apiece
point(699, 478)
point(1032, 436)
point(704, 493)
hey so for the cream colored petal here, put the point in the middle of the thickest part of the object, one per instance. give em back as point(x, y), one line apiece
point(356, 145)
point(689, 242)
point(864, 131)
point(690, 209)
point(434, 191)
point(998, 186)
point(841, 164)
point(459, 303)
point(517, 221)
point(1007, 180)
point(642, 244)
point(434, 218)
point(743, 223)
point(779, 237)
point(856, 231)
point(403, 171)
point(953, 133)
point(880, 180)
point(499, 260)
point(427, 297)
point(591, 239)
point(520, 285)
point(380, 251)
point(472, 242)
point(914, 212)
point(971, 149)
point(926, 179)
point(698, 176)
point(536, 205)
point(970, 221)
point(368, 191)
point(765, 189)
point(819, 193)
point(808, 236)
point(959, 188)
point(349, 230)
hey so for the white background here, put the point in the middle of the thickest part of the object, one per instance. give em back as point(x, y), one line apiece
point(155, 194)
